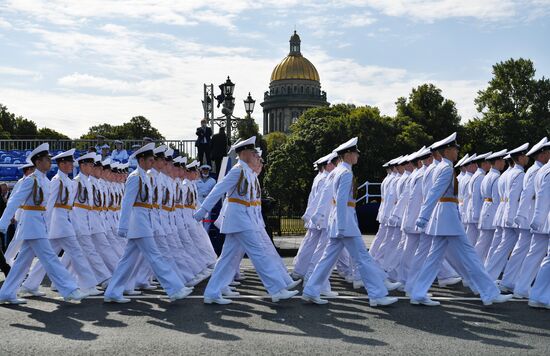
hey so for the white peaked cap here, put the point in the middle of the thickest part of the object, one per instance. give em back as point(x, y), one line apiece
point(148, 147)
point(69, 153)
point(507, 156)
point(28, 164)
point(169, 152)
point(205, 166)
point(451, 139)
point(460, 163)
point(537, 147)
point(97, 158)
point(497, 155)
point(481, 157)
point(404, 159)
point(160, 149)
point(248, 144)
point(470, 159)
point(45, 147)
point(106, 162)
point(89, 155)
point(519, 150)
point(348, 145)
point(423, 152)
point(395, 160)
point(193, 164)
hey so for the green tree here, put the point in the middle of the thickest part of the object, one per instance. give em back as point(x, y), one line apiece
point(46, 133)
point(137, 128)
point(514, 108)
point(436, 116)
point(275, 140)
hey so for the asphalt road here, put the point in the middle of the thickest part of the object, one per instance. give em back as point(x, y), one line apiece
point(255, 325)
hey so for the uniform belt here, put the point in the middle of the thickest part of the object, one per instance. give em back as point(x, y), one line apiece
point(190, 206)
point(167, 208)
point(139, 204)
point(97, 208)
point(179, 206)
point(256, 203)
point(62, 206)
point(33, 207)
point(350, 203)
point(82, 206)
point(239, 201)
point(155, 206)
point(112, 209)
point(448, 200)
point(488, 200)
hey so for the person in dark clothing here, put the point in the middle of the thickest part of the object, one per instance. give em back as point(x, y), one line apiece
point(4, 194)
point(204, 135)
point(220, 145)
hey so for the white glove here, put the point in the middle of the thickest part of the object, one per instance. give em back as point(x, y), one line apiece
point(394, 220)
point(306, 218)
point(535, 227)
point(421, 223)
point(519, 220)
point(122, 232)
point(199, 214)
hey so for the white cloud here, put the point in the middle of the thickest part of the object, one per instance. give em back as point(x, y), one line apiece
point(19, 72)
point(5, 24)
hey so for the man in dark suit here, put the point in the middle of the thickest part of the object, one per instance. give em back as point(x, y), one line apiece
point(220, 145)
point(204, 134)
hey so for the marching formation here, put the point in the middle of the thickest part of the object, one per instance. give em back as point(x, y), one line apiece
point(116, 233)
point(475, 221)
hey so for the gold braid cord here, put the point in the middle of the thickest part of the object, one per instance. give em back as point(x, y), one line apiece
point(63, 200)
point(37, 193)
point(97, 196)
point(166, 198)
point(242, 188)
point(82, 198)
point(141, 197)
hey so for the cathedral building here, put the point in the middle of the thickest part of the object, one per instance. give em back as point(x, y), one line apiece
point(295, 86)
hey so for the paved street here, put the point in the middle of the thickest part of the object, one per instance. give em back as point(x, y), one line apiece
point(255, 325)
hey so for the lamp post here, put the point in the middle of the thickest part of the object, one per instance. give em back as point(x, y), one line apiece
point(227, 101)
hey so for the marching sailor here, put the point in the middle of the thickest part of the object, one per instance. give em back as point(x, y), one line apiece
point(31, 197)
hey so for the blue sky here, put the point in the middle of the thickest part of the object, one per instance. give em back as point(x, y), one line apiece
point(72, 64)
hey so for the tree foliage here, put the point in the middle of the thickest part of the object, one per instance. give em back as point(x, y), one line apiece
point(137, 128)
point(17, 127)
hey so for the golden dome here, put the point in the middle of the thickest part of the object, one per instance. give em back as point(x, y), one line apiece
point(295, 67)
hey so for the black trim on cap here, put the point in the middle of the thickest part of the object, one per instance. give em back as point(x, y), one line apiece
point(87, 160)
point(520, 153)
point(145, 154)
point(159, 155)
point(245, 147)
point(65, 159)
point(349, 149)
point(39, 155)
point(540, 150)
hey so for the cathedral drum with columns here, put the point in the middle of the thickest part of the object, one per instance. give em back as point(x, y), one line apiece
point(295, 87)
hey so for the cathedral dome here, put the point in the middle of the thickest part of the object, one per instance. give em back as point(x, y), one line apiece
point(295, 66)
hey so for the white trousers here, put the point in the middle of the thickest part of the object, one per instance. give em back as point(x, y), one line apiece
point(253, 246)
point(372, 276)
point(462, 253)
point(101, 271)
point(105, 250)
point(531, 264)
point(167, 277)
point(513, 266)
point(202, 241)
point(497, 237)
point(472, 232)
point(316, 257)
point(305, 251)
point(484, 242)
point(82, 269)
point(384, 249)
point(191, 249)
point(541, 289)
point(389, 248)
point(42, 249)
point(378, 239)
point(411, 244)
point(495, 264)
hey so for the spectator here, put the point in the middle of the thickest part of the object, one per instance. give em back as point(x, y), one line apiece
point(220, 144)
point(105, 151)
point(100, 143)
point(147, 140)
point(204, 135)
point(92, 149)
point(119, 154)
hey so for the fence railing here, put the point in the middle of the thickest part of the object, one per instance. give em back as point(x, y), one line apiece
point(182, 146)
point(368, 185)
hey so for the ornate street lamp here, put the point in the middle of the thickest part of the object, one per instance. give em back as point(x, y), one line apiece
point(249, 105)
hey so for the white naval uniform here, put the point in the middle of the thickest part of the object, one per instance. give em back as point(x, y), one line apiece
point(136, 223)
point(498, 221)
point(389, 240)
point(540, 292)
point(81, 216)
point(539, 239)
point(32, 230)
point(382, 227)
point(448, 234)
point(241, 230)
point(343, 230)
point(491, 199)
point(412, 235)
point(311, 238)
point(513, 188)
point(474, 205)
point(383, 231)
point(62, 235)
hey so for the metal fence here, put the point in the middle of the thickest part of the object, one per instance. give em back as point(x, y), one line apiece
point(182, 146)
